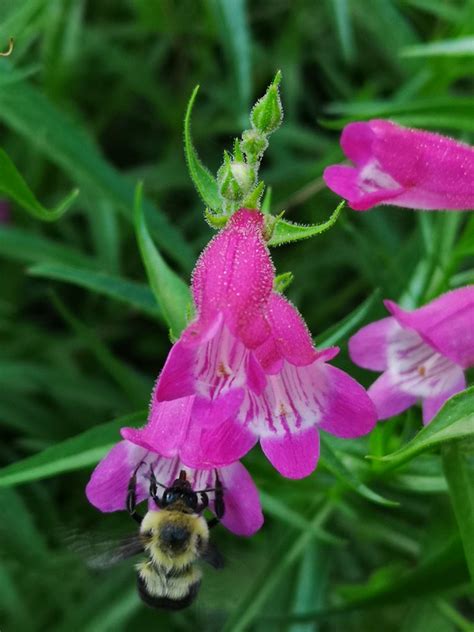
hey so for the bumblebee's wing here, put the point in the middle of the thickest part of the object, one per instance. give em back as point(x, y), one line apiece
point(100, 552)
point(213, 556)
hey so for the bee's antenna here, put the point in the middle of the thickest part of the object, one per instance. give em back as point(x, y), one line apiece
point(9, 51)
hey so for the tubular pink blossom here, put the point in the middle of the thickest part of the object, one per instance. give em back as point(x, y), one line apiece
point(423, 353)
point(107, 487)
point(249, 365)
point(403, 167)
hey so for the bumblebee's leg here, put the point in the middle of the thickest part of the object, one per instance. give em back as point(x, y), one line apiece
point(203, 504)
point(132, 496)
point(219, 505)
point(154, 489)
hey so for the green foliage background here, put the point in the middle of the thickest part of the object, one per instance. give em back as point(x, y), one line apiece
point(93, 98)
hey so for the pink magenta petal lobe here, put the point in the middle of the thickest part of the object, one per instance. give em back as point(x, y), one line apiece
point(107, 487)
point(368, 348)
point(243, 513)
point(348, 411)
point(388, 398)
point(294, 455)
point(446, 323)
point(432, 405)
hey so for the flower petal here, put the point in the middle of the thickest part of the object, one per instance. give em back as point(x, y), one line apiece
point(368, 347)
point(431, 405)
point(234, 275)
point(177, 378)
point(447, 324)
point(107, 487)
point(387, 397)
point(348, 410)
point(215, 438)
point(345, 181)
point(403, 167)
point(243, 512)
point(295, 454)
point(167, 427)
point(289, 331)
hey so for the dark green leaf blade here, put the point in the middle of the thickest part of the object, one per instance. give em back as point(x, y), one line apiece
point(171, 292)
point(332, 462)
point(202, 178)
point(454, 421)
point(458, 462)
point(14, 187)
point(132, 293)
point(83, 450)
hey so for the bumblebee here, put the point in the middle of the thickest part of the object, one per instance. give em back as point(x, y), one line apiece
point(174, 539)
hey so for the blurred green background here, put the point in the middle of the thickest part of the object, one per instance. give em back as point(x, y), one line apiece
point(94, 97)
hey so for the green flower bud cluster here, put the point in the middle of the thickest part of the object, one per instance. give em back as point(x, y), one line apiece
point(237, 178)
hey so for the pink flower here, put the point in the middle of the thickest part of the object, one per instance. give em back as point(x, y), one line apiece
point(107, 488)
point(403, 167)
point(246, 369)
point(422, 353)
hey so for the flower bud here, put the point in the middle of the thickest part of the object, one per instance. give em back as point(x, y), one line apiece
point(253, 144)
point(229, 187)
point(267, 113)
point(235, 178)
point(244, 174)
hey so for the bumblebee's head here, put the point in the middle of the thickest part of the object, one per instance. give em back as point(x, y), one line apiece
point(180, 492)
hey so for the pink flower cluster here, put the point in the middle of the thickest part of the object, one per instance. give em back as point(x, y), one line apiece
point(245, 370)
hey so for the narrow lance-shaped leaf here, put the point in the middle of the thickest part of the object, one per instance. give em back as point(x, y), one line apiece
point(458, 462)
point(343, 329)
point(14, 187)
point(286, 232)
point(202, 178)
point(171, 292)
point(83, 450)
point(332, 462)
point(454, 421)
point(134, 294)
point(64, 141)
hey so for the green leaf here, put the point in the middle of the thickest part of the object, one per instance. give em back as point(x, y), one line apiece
point(286, 232)
point(444, 48)
point(455, 420)
point(204, 181)
point(21, 245)
point(275, 507)
point(135, 385)
point(331, 461)
point(458, 462)
point(83, 450)
point(343, 329)
point(15, 188)
point(132, 293)
point(68, 145)
point(233, 26)
point(171, 292)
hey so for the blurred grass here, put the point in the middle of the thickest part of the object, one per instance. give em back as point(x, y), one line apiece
point(94, 97)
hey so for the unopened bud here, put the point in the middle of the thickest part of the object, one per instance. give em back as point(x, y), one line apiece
point(267, 113)
point(253, 144)
point(229, 187)
point(244, 174)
